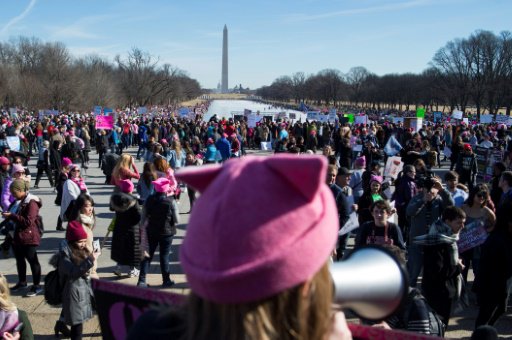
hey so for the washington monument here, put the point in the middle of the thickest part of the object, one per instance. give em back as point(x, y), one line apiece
point(224, 84)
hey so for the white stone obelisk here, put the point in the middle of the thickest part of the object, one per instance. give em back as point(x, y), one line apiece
point(224, 86)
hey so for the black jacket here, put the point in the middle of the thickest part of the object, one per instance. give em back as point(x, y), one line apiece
point(161, 215)
point(126, 234)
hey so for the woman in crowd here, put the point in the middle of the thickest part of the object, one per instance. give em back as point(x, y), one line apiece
point(126, 234)
point(74, 262)
point(17, 172)
point(11, 317)
point(87, 146)
point(43, 164)
point(60, 179)
point(177, 155)
point(55, 160)
point(83, 212)
point(145, 185)
point(478, 215)
point(163, 170)
point(23, 213)
point(380, 231)
point(122, 169)
point(370, 196)
point(210, 155)
point(159, 227)
point(239, 284)
point(102, 146)
point(72, 188)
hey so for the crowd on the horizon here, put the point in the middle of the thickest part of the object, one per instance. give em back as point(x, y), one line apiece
point(432, 212)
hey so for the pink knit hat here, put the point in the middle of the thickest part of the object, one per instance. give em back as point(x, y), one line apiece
point(377, 179)
point(162, 184)
point(17, 168)
point(253, 219)
point(75, 232)
point(66, 162)
point(361, 161)
point(126, 186)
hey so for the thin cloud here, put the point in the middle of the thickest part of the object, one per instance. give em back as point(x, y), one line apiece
point(384, 8)
point(18, 18)
point(81, 28)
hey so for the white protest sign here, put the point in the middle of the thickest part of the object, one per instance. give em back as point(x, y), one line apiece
point(351, 224)
point(253, 119)
point(393, 166)
point(357, 148)
point(361, 119)
point(486, 119)
point(266, 146)
point(504, 119)
point(457, 114)
point(13, 142)
point(416, 124)
point(312, 115)
point(293, 116)
point(465, 121)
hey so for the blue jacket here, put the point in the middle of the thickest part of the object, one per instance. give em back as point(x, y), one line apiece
point(211, 153)
point(224, 147)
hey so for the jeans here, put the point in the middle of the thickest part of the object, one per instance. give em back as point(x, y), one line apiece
point(22, 252)
point(414, 263)
point(165, 243)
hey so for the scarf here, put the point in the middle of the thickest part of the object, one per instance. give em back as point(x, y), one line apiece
point(8, 320)
point(87, 221)
point(80, 182)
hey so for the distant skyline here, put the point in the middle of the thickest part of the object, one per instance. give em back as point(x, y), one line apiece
point(267, 39)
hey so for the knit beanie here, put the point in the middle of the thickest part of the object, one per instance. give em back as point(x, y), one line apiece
point(75, 232)
point(162, 184)
point(361, 161)
point(4, 160)
point(17, 168)
point(253, 220)
point(66, 162)
point(126, 186)
point(20, 185)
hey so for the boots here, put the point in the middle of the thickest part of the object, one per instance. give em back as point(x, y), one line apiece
point(60, 327)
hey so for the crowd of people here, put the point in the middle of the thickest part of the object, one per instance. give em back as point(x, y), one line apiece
point(432, 216)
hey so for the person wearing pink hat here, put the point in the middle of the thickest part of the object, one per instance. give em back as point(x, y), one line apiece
point(72, 188)
point(249, 267)
point(467, 167)
point(74, 261)
point(126, 233)
point(159, 227)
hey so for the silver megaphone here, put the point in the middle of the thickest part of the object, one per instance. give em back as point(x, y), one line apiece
point(370, 282)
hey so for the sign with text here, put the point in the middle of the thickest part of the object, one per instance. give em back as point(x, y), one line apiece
point(120, 305)
point(486, 119)
point(13, 142)
point(504, 119)
point(472, 235)
point(312, 115)
point(361, 119)
point(252, 120)
point(482, 159)
point(438, 116)
point(97, 110)
point(393, 167)
point(456, 114)
point(104, 122)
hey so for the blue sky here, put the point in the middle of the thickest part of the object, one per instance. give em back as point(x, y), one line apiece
point(267, 38)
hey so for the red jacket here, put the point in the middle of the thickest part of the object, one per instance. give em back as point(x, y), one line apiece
point(27, 222)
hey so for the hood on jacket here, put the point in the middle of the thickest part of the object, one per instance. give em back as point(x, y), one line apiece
point(121, 201)
point(63, 251)
point(31, 197)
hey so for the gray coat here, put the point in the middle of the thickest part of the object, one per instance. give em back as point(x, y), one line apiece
point(77, 294)
point(416, 211)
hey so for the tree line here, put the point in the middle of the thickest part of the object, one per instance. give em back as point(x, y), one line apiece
point(474, 72)
point(37, 75)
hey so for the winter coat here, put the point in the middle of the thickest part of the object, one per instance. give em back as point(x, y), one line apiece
point(467, 168)
point(77, 293)
point(161, 215)
point(7, 197)
point(224, 147)
point(70, 192)
point(126, 234)
point(144, 191)
point(27, 230)
point(417, 212)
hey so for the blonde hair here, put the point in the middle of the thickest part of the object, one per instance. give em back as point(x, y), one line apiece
point(123, 162)
point(291, 314)
point(5, 295)
point(176, 145)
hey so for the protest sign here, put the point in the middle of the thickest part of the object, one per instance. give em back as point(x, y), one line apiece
point(482, 159)
point(486, 119)
point(266, 146)
point(398, 120)
point(438, 116)
point(350, 117)
point(322, 118)
point(351, 224)
point(293, 116)
point(472, 235)
point(13, 142)
point(361, 119)
point(104, 122)
point(413, 123)
point(393, 166)
point(40, 114)
point(183, 111)
point(392, 146)
point(252, 120)
point(456, 114)
point(312, 115)
point(107, 111)
point(465, 121)
point(504, 119)
point(357, 148)
point(120, 305)
point(142, 110)
point(247, 112)
point(420, 112)
point(97, 110)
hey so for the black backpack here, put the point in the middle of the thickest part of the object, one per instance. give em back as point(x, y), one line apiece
point(436, 325)
point(53, 288)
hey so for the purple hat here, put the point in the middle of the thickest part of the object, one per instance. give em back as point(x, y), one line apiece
point(288, 209)
point(361, 161)
point(66, 162)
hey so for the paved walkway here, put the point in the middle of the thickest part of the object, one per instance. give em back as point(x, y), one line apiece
point(43, 316)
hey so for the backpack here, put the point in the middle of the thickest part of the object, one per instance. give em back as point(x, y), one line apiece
point(53, 288)
point(436, 325)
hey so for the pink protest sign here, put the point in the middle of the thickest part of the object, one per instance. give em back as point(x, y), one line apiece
point(104, 122)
